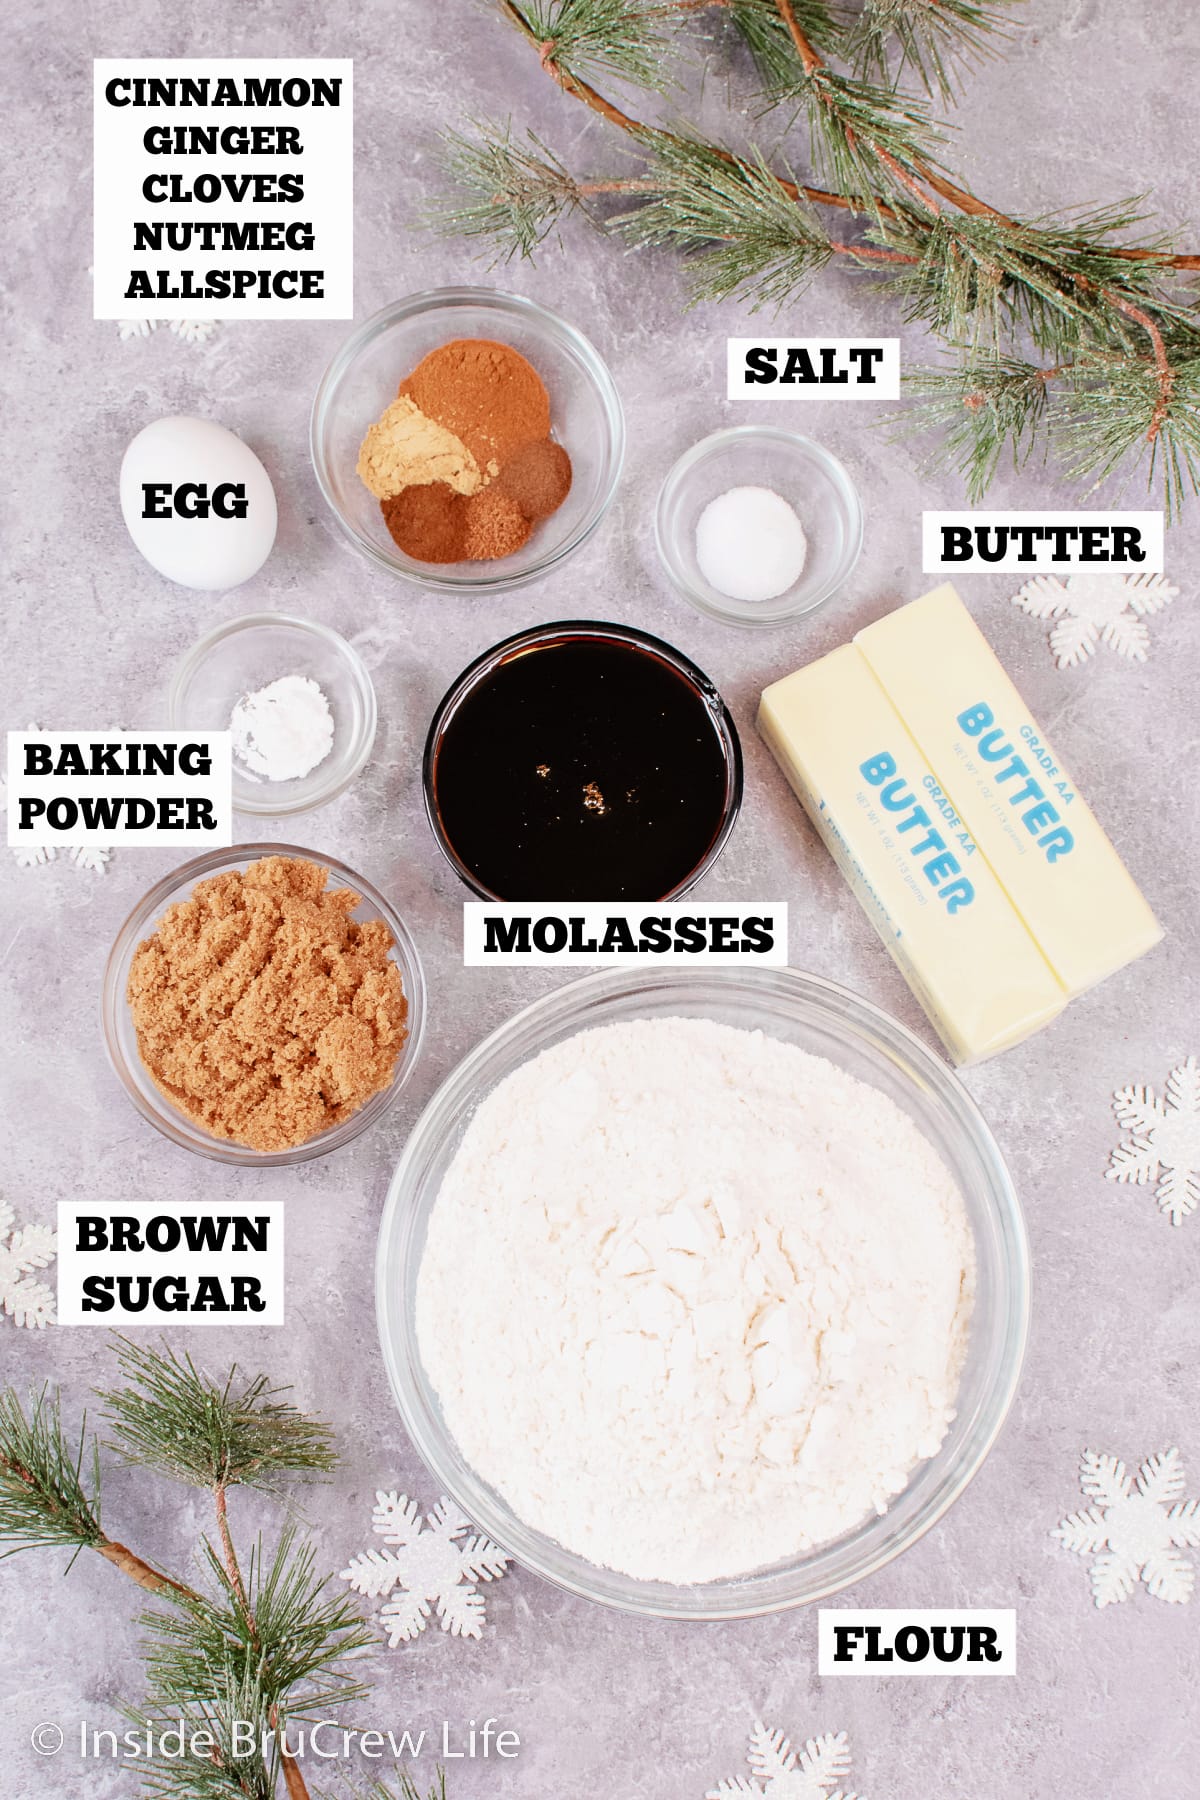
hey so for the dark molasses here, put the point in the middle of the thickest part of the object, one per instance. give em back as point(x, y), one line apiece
point(583, 768)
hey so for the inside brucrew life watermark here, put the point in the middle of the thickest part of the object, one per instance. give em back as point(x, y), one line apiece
point(181, 1740)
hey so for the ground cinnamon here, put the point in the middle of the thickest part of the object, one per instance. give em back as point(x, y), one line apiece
point(486, 393)
point(484, 409)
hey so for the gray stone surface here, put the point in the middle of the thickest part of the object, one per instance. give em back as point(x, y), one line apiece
point(1091, 104)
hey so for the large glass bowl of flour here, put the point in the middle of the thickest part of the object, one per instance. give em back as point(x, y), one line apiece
point(823, 1020)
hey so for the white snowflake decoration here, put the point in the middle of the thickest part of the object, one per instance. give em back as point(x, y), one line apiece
point(1136, 1529)
point(193, 331)
point(1163, 1141)
point(1094, 607)
point(777, 1772)
point(24, 1248)
point(189, 331)
point(36, 856)
point(433, 1562)
point(90, 857)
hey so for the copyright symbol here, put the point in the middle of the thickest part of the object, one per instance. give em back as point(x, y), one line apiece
point(47, 1739)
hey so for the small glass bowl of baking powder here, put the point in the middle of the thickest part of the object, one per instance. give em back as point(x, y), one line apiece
point(120, 1036)
point(825, 1020)
point(806, 476)
point(585, 416)
point(244, 657)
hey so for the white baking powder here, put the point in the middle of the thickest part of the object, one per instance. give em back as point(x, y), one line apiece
point(282, 731)
point(692, 1299)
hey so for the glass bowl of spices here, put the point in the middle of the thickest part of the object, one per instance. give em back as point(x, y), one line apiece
point(263, 1005)
point(744, 1240)
point(582, 761)
point(467, 439)
point(297, 699)
point(757, 526)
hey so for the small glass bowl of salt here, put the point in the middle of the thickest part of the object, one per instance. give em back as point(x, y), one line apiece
point(758, 526)
point(298, 700)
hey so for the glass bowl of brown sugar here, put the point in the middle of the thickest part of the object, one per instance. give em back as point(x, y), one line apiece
point(291, 1055)
point(467, 439)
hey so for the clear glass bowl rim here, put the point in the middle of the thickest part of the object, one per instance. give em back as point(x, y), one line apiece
point(755, 615)
point(515, 305)
point(359, 673)
point(828, 1569)
point(475, 671)
point(158, 1110)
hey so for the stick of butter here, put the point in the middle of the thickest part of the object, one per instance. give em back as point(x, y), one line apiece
point(1051, 857)
point(912, 863)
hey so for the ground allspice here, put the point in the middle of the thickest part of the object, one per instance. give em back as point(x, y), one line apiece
point(487, 399)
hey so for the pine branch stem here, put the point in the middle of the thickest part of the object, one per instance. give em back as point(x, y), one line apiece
point(119, 1555)
point(1162, 362)
point(293, 1778)
point(635, 185)
point(606, 109)
point(809, 58)
point(571, 84)
point(942, 185)
point(232, 1567)
point(811, 61)
point(155, 1582)
point(146, 1576)
point(868, 253)
point(902, 175)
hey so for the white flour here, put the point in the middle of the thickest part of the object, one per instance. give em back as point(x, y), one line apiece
point(692, 1299)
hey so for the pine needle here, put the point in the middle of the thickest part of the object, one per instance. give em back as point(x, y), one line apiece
point(974, 278)
point(979, 408)
point(290, 1636)
point(745, 232)
point(934, 38)
point(1102, 301)
point(769, 42)
point(1100, 412)
point(863, 133)
point(513, 192)
point(1115, 406)
point(406, 1790)
point(232, 1711)
point(173, 1418)
point(45, 1500)
point(628, 39)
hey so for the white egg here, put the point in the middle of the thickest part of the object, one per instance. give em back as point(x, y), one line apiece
point(198, 503)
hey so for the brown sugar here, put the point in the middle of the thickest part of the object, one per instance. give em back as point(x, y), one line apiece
point(264, 1012)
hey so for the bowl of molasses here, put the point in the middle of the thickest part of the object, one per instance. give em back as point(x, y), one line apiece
point(582, 761)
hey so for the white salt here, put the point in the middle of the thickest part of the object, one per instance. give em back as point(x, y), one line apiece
point(750, 545)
